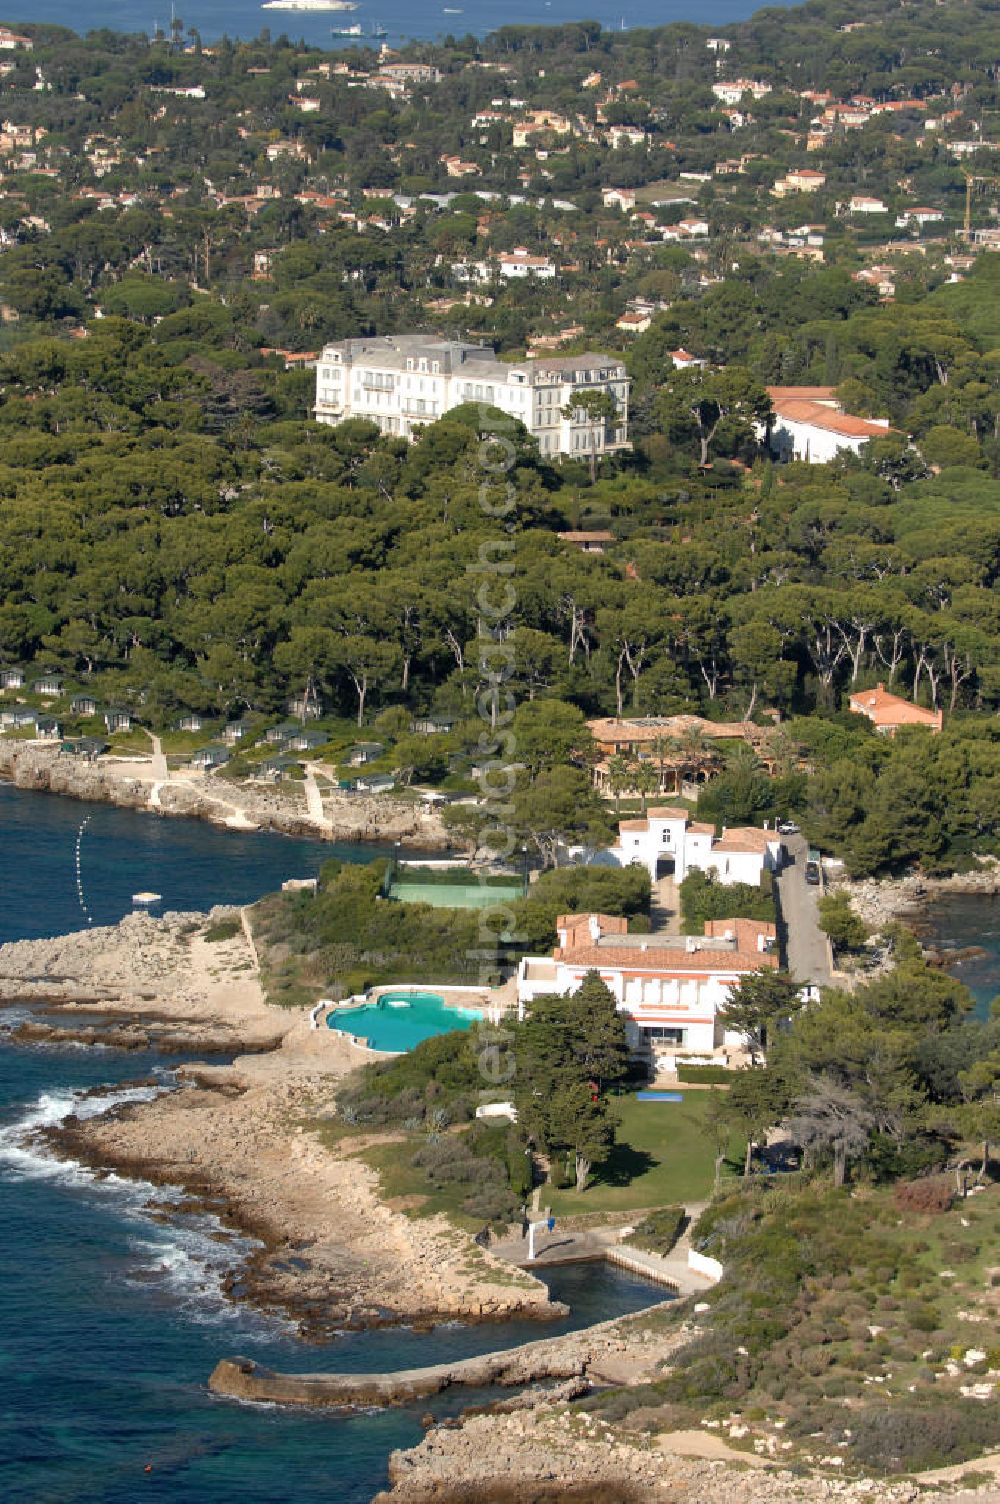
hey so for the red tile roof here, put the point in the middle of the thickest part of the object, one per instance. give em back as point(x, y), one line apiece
point(885, 709)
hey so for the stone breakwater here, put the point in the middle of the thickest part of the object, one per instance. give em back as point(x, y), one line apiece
point(574, 1355)
point(131, 784)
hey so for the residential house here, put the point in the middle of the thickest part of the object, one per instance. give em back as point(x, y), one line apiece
point(633, 323)
point(433, 725)
point(48, 728)
point(235, 731)
point(733, 91)
point(519, 263)
point(861, 203)
point(295, 150)
point(190, 722)
point(594, 542)
point(919, 217)
point(619, 198)
point(11, 678)
point(802, 180)
point(282, 767)
point(540, 122)
point(308, 707)
point(456, 168)
point(364, 752)
point(17, 718)
point(88, 747)
point(117, 719)
point(810, 425)
point(694, 228)
point(307, 741)
point(277, 736)
point(13, 40)
point(683, 360)
point(672, 989)
point(375, 783)
point(411, 73)
point(209, 758)
point(667, 841)
point(83, 705)
point(634, 736)
point(47, 685)
point(883, 278)
point(887, 712)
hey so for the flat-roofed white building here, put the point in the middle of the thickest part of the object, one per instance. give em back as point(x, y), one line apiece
point(404, 381)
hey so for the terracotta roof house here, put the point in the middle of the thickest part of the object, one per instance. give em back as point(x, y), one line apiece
point(810, 425)
point(887, 712)
point(672, 989)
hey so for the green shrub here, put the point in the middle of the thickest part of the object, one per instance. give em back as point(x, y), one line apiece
point(225, 929)
point(703, 897)
point(659, 1231)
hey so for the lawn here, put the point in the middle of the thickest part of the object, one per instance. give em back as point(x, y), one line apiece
point(664, 1156)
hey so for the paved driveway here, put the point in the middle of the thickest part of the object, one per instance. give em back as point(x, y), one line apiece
point(805, 948)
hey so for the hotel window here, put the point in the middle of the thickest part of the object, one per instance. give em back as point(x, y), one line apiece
point(436, 367)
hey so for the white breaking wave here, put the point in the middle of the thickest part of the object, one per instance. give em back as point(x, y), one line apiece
point(25, 1156)
point(188, 1257)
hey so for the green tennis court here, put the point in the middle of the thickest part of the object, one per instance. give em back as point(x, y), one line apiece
point(455, 895)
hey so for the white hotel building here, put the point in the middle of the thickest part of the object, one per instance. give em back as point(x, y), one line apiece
point(404, 381)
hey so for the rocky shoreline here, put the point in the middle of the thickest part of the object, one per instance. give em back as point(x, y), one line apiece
point(243, 1139)
point(132, 784)
point(546, 1454)
point(880, 901)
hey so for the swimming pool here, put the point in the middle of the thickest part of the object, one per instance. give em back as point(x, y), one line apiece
point(399, 1021)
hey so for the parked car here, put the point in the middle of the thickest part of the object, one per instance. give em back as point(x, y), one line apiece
point(788, 828)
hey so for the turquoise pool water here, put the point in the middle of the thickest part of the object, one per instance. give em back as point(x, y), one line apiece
point(401, 1020)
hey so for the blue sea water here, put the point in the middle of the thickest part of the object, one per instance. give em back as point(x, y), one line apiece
point(111, 1315)
point(192, 864)
point(246, 18)
point(962, 921)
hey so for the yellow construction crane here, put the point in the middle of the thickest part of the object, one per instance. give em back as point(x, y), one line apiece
point(970, 178)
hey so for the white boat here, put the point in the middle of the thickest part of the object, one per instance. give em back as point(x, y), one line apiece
point(145, 899)
point(310, 5)
point(347, 31)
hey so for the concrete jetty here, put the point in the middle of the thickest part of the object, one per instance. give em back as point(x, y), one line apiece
point(242, 1378)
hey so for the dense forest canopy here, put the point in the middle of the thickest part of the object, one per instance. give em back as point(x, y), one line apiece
point(178, 534)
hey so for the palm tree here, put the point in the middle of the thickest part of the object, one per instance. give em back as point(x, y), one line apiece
point(619, 779)
point(664, 749)
point(645, 780)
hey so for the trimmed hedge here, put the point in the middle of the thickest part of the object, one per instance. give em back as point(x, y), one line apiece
point(710, 1075)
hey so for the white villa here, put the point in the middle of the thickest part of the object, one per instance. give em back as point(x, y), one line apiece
point(668, 842)
point(672, 988)
point(404, 381)
point(810, 425)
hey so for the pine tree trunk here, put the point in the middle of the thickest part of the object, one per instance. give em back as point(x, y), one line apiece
point(839, 1164)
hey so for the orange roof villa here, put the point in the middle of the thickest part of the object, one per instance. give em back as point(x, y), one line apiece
point(887, 712)
point(672, 989)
